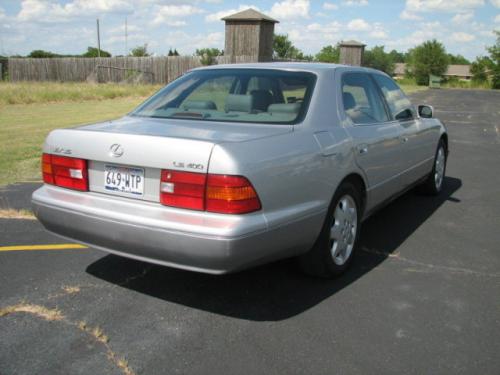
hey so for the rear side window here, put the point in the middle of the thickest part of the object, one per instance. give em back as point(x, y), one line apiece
point(399, 105)
point(362, 102)
point(235, 95)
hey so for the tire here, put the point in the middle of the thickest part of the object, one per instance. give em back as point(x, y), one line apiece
point(336, 244)
point(434, 183)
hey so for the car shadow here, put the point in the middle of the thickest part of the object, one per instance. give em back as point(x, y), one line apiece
point(279, 290)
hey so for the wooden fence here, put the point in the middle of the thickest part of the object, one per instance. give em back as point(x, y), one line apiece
point(109, 69)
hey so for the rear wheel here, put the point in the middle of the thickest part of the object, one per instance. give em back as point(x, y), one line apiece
point(434, 183)
point(335, 246)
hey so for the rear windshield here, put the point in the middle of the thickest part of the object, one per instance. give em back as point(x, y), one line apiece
point(236, 95)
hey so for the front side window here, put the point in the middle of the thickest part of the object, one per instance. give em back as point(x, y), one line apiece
point(399, 105)
point(236, 95)
point(362, 102)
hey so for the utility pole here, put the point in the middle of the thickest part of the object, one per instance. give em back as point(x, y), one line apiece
point(98, 40)
point(126, 37)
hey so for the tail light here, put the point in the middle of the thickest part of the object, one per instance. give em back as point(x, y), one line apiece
point(208, 192)
point(183, 189)
point(66, 172)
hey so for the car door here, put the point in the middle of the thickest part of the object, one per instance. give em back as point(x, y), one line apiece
point(376, 138)
point(414, 153)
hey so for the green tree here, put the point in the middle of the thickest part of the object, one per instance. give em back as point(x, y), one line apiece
point(458, 59)
point(398, 57)
point(140, 51)
point(173, 52)
point(92, 52)
point(377, 58)
point(282, 46)
point(495, 58)
point(39, 53)
point(329, 54)
point(427, 58)
point(177, 53)
point(301, 56)
point(480, 69)
point(208, 55)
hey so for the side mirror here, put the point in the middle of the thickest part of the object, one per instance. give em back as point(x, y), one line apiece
point(425, 111)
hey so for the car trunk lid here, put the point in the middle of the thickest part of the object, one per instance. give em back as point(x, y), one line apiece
point(137, 149)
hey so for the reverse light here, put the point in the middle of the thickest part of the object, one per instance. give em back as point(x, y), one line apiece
point(66, 172)
point(208, 192)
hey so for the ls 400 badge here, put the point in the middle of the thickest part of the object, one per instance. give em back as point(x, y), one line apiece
point(198, 167)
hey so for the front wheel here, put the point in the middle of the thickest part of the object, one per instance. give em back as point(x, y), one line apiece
point(335, 246)
point(434, 183)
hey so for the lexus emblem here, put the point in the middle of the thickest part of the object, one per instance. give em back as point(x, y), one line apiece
point(116, 150)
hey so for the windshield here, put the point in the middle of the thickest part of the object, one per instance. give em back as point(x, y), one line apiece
point(236, 95)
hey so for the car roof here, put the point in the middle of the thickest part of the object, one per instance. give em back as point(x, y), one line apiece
point(314, 67)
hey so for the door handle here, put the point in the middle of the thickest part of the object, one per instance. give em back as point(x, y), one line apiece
point(403, 139)
point(363, 148)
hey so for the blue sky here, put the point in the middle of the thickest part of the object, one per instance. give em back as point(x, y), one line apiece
point(68, 26)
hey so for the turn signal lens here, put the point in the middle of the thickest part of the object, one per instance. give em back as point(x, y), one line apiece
point(231, 195)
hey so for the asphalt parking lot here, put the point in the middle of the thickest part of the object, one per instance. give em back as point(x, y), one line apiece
point(422, 296)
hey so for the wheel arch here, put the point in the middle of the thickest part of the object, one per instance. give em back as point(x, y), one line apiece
point(444, 137)
point(357, 180)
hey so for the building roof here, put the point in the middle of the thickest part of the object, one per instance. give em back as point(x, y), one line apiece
point(453, 70)
point(249, 15)
point(352, 43)
point(399, 68)
point(458, 70)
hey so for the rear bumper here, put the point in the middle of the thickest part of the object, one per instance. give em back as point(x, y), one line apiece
point(191, 240)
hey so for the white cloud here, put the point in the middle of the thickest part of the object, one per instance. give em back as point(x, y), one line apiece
point(461, 18)
point(170, 14)
point(378, 32)
point(407, 15)
point(461, 37)
point(330, 6)
point(50, 11)
point(358, 24)
point(215, 17)
point(455, 6)
point(332, 27)
point(290, 9)
point(495, 3)
point(353, 3)
point(425, 31)
point(121, 29)
point(184, 40)
point(2, 13)
point(497, 18)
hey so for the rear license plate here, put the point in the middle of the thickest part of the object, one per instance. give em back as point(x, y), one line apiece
point(124, 179)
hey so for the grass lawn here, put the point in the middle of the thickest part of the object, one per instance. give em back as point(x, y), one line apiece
point(23, 128)
point(29, 111)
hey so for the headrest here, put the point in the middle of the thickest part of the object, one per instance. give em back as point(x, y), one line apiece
point(284, 108)
point(261, 99)
point(349, 101)
point(239, 103)
point(199, 104)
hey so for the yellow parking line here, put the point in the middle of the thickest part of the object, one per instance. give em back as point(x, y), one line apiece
point(63, 246)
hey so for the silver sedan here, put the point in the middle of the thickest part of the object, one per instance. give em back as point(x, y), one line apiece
point(233, 166)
